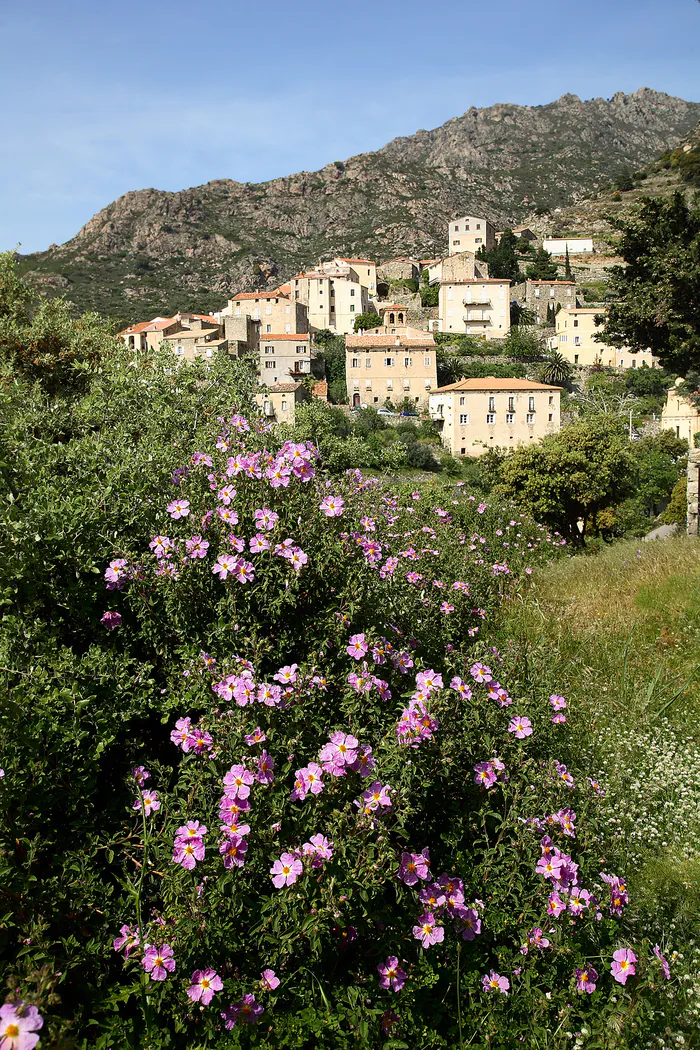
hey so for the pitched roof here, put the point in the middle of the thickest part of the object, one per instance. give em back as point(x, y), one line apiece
point(135, 329)
point(479, 280)
point(284, 289)
point(343, 259)
point(529, 281)
point(492, 383)
point(283, 388)
point(393, 306)
point(270, 337)
point(369, 342)
point(276, 294)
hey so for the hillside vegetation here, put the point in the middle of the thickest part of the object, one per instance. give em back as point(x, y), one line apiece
point(156, 252)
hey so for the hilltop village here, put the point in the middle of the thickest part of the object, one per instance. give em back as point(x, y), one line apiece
point(397, 317)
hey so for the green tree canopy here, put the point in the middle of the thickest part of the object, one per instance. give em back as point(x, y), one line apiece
point(571, 475)
point(502, 260)
point(656, 293)
point(365, 321)
point(542, 268)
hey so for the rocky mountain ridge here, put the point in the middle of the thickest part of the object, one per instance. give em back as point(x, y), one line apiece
point(153, 251)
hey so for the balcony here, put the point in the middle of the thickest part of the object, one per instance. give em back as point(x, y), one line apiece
point(488, 301)
point(476, 320)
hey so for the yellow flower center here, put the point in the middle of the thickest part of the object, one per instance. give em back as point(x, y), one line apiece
point(286, 870)
point(159, 960)
point(205, 983)
point(12, 1031)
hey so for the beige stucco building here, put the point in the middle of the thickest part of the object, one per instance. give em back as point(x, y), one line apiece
point(479, 414)
point(284, 355)
point(469, 233)
point(476, 307)
point(364, 271)
point(275, 311)
point(576, 329)
point(334, 297)
point(390, 363)
point(149, 335)
point(680, 415)
point(199, 339)
point(278, 402)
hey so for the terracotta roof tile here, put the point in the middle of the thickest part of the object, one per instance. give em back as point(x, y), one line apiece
point(259, 295)
point(270, 337)
point(493, 383)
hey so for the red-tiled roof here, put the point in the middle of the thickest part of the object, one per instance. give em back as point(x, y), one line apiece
point(135, 329)
point(259, 295)
point(270, 337)
point(343, 259)
point(369, 342)
point(492, 383)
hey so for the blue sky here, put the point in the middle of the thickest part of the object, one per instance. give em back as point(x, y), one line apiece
point(102, 98)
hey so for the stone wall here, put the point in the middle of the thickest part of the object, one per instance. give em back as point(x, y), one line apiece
point(693, 492)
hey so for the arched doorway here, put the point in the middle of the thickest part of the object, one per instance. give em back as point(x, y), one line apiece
point(355, 400)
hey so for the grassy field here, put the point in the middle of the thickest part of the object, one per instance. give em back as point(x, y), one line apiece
point(618, 634)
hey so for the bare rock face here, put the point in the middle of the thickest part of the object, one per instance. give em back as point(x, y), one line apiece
point(182, 250)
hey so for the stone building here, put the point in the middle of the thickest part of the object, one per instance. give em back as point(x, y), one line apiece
point(693, 518)
point(275, 311)
point(463, 266)
point(402, 268)
point(545, 298)
point(476, 415)
point(200, 339)
point(334, 296)
point(390, 363)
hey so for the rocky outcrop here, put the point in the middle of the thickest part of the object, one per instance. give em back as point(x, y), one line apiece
point(169, 250)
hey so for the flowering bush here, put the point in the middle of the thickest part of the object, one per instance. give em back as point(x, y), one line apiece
point(342, 822)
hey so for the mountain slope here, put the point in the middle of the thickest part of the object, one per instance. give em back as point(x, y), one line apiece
point(152, 251)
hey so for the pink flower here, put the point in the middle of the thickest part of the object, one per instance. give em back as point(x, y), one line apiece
point(129, 940)
point(182, 734)
point(286, 870)
point(244, 571)
point(149, 801)
point(414, 866)
point(332, 506)
point(225, 564)
point(265, 519)
point(179, 508)
point(238, 780)
point(247, 1011)
point(586, 979)
point(557, 702)
point(233, 850)
point(111, 620)
point(622, 965)
point(256, 737)
point(187, 852)
point(358, 646)
point(266, 766)
point(426, 931)
point(19, 1024)
point(391, 975)
point(159, 962)
point(287, 675)
point(269, 980)
point(204, 984)
point(664, 962)
point(196, 547)
point(493, 982)
point(522, 727)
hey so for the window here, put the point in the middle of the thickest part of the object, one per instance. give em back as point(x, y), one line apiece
point(550, 417)
point(287, 309)
point(462, 451)
point(237, 312)
point(575, 359)
point(269, 364)
point(268, 309)
point(575, 323)
point(356, 384)
point(464, 418)
point(456, 229)
point(490, 417)
point(530, 418)
point(352, 308)
point(563, 338)
point(268, 328)
point(368, 362)
point(551, 399)
point(407, 362)
point(537, 293)
point(368, 384)
point(531, 404)
point(426, 362)
point(492, 404)
point(427, 384)
point(390, 384)
point(510, 417)
point(389, 362)
point(301, 349)
point(511, 404)
point(352, 291)
point(577, 340)
point(462, 400)
point(407, 384)
point(355, 362)
point(455, 244)
point(478, 226)
point(179, 350)
point(269, 349)
point(284, 406)
point(477, 240)
point(551, 293)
